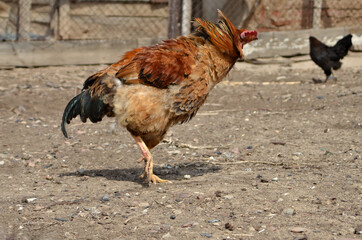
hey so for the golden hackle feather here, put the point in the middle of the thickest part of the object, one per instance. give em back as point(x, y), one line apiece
point(224, 35)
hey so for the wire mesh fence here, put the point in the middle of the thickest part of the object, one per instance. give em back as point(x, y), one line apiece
point(26, 20)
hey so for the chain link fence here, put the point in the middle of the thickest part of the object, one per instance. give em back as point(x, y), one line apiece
point(46, 20)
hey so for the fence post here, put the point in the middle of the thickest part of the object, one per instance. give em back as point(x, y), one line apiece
point(64, 19)
point(186, 17)
point(317, 9)
point(52, 30)
point(23, 28)
point(174, 18)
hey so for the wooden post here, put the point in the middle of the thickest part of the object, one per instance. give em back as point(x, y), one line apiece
point(64, 19)
point(53, 22)
point(186, 17)
point(24, 18)
point(174, 18)
point(317, 13)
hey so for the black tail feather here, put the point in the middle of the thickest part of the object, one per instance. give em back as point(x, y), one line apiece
point(86, 106)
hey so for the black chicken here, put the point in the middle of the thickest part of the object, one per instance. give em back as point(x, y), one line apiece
point(329, 57)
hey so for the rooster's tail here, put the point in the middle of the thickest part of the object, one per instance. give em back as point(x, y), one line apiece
point(88, 104)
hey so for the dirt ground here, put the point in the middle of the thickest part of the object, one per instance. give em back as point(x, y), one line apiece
point(271, 155)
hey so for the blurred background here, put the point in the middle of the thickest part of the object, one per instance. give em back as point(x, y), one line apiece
point(113, 26)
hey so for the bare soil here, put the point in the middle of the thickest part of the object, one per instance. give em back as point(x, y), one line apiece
point(271, 155)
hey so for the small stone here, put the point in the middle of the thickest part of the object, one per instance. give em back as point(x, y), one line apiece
point(105, 198)
point(166, 165)
point(275, 179)
point(208, 235)
point(218, 193)
point(144, 205)
point(229, 197)
point(187, 176)
point(229, 226)
point(166, 236)
point(38, 208)
point(298, 229)
point(61, 219)
point(358, 230)
point(48, 177)
point(173, 217)
point(30, 200)
point(2, 162)
point(289, 211)
point(186, 225)
point(127, 195)
point(81, 171)
point(249, 147)
point(213, 221)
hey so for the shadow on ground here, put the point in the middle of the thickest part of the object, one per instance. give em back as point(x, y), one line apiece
point(169, 172)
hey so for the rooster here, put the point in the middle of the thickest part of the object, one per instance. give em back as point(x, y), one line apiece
point(329, 57)
point(152, 88)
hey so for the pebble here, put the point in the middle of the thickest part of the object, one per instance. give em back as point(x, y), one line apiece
point(289, 211)
point(61, 219)
point(229, 226)
point(48, 177)
point(208, 235)
point(38, 208)
point(187, 176)
point(358, 230)
point(189, 224)
point(249, 147)
point(177, 211)
point(228, 197)
point(213, 221)
point(218, 193)
point(166, 236)
point(173, 217)
point(2, 162)
point(144, 205)
point(105, 198)
point(30, 200)
point(275, 179)
point(229, 155)
point(166, 165)
point(298, 229)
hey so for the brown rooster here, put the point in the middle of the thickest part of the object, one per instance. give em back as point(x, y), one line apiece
point(152, 88)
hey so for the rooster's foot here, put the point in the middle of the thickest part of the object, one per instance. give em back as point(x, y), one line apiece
point(153, 178)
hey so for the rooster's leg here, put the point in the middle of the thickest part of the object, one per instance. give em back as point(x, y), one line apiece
point(147, 157)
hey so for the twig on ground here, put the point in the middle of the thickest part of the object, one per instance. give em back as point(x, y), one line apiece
point(183, 145)
point(241, 162)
